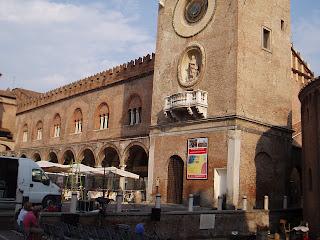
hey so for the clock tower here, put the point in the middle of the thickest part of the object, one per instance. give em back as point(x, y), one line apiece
point(221, 104)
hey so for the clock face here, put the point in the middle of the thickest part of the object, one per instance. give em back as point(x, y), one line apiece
point(195, 10)
point(192, 16)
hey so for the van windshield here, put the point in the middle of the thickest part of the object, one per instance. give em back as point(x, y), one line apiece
point(39, 176)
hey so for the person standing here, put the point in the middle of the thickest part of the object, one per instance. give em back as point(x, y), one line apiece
point(31, 224)
point(27, 207)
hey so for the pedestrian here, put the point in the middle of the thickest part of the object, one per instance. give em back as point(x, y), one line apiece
point(27, 207)
point(31, 224)
point(139, 230)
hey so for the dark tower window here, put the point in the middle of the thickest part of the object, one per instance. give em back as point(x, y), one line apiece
point(266, 39)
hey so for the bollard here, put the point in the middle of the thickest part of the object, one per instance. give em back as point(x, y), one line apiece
point(119, 202)
point(285, 202)
point(74, 200)
point(266, 203)
point(244, 203)
point(158, 200)
point(190, 206)
point(220, 201)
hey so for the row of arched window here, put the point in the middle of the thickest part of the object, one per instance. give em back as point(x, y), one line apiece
point(101, 120)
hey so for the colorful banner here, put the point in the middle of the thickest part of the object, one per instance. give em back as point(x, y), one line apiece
point(197, 165)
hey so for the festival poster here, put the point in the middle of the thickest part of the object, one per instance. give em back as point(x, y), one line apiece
point(197, 165)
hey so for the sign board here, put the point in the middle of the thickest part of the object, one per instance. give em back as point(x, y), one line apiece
point(207, 221)
point(197, 165)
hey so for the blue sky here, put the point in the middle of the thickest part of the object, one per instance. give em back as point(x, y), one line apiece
point(48, 43)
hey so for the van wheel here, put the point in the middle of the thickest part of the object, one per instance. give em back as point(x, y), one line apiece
point(47, 200)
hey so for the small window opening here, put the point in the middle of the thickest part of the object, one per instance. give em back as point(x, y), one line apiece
point(266, 39)
point(282, 25)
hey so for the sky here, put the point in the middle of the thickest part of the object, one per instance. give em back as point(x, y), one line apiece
point(45, 44)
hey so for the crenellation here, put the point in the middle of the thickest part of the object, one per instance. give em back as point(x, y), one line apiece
point(130, 64)
point(121, 72)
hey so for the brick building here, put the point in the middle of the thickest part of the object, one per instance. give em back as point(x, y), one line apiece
point(309, 97)
point(224, 80)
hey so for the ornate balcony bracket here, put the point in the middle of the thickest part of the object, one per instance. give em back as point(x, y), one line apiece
point(186, 105)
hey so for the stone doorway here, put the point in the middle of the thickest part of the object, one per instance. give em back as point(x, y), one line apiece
point(175, 180)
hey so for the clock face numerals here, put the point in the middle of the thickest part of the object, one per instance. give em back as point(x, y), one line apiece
point(195, 10)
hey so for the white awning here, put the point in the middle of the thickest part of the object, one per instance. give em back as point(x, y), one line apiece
point(116, 171)
point(83, 169)
point(53, 167)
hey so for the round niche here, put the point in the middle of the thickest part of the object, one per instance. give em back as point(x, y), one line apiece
point(192, 16)
point(191, 65)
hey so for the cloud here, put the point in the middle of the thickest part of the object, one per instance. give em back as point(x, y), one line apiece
point(45, 44)
point(306, 38)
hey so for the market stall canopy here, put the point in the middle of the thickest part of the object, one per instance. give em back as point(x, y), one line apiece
point(116, 171)
point(83, 169)
point(53, 167)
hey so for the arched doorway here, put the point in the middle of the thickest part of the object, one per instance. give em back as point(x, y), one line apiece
point(175, 180)
point(68, 157)
point(110, 157)
point(88, 158)
point(23, 156)
point(36, 157)
point(53, 157)
point(137, 162)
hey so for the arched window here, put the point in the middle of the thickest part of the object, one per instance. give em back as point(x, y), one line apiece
point(56, 126)
point(25, 133)
point(78, 121)
point(102, 117)
point(39, 129)
point(134, 110)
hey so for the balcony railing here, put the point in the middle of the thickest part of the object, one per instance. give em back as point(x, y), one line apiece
point(187, 104)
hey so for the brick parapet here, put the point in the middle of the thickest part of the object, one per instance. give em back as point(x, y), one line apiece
point(127, 71)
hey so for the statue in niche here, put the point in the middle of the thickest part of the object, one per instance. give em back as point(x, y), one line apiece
point(193, 69)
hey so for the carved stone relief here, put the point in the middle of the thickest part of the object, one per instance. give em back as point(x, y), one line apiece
point(191, 65)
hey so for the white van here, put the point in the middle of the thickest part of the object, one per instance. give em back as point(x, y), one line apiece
point(21, 179)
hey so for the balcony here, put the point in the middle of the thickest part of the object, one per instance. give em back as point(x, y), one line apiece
point(186, 105)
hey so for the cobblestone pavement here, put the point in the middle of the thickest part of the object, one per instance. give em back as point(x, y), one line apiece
point(10, 235)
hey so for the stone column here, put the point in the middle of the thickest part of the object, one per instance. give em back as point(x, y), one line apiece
point(80, 126)
point(233, 166)
point(131, 116)
point(266, 203)
point(137, 116)
point(150, 169)
point(105, 124)
point(122, 180)
point(76, 127)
